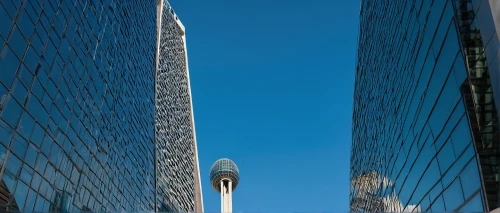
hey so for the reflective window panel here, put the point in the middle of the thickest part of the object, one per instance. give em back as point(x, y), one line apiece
point(417, 131)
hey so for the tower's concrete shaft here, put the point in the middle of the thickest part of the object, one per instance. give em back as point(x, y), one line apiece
point(226, 196)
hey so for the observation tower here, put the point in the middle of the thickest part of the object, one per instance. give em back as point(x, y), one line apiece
point(224, 176)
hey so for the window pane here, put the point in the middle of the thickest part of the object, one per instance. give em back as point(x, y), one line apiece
point(453, 196)
point(19, 146)
point(20, 92)
point(20, 194)
point(459, 71)
point(39, 202)
point(13, 165)
point(9, 64)
point(446, 157)
point(474, 205)
point(17, 42)
point(444, 107)
point(3, 152)
point(6, 22)
point(5, 133)
point(37, 135)
point(458, 165)
point(461, 136)
point(429, 179)
point(25, 24)
point(47, 144)
point(3, 95)
point(438, 205)
point(41, 163)
point(470, 178)
point(31, 154)
point(26, 125)
point(25, 76)
point(436, 191)
point(11, 112)
point(26, 174)
point(30, 201)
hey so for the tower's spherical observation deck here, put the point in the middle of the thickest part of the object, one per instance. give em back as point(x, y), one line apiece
point(224, 169)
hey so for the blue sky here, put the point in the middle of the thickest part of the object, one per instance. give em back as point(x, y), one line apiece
point(272, 84)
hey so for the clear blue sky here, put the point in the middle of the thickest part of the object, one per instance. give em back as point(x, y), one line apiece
point(272, 84)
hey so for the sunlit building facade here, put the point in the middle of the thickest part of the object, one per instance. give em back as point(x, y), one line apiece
point(425, 120)
point(178, 171)
point(77, 109)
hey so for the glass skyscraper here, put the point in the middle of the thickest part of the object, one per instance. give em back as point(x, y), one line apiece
point(79, 92)
point(425, 122)
point(178, 170)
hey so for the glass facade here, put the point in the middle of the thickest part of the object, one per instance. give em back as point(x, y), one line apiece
point(425, 121)
point(77, 108)
point(178, 177)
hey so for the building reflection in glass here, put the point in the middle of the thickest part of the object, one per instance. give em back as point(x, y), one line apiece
point(77, 106)
point(425, 108)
